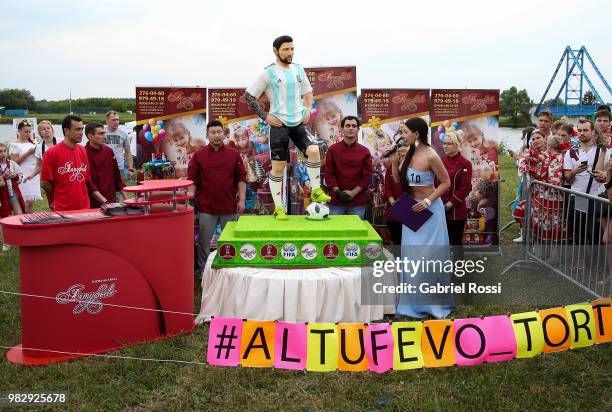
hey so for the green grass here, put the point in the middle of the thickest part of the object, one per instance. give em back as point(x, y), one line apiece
point(56, 118)
point(571, 380)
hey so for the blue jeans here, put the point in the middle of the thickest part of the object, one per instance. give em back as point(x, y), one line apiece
point(343, 210)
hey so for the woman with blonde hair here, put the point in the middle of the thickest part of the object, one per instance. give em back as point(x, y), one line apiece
point(46, 132)
point(459, 170)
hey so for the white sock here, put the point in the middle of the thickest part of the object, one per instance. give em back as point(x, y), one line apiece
point(314, 174)
point(276, 187)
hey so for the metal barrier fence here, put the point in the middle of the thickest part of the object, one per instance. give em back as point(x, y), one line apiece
point(569, 233)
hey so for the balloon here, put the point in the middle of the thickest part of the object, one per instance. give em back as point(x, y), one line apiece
point(455, 125)
point(446, 123)
point(149, 136)
point(156, 128)
point(160, 123)
point(146, 127)
point(451, 129)
point(441, 129)
point(442, 136)
point(161, 134)
point(152, 122)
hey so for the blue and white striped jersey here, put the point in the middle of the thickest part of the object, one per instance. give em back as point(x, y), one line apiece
point(284, 89)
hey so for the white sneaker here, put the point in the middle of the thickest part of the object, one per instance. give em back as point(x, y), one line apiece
point(518, 239)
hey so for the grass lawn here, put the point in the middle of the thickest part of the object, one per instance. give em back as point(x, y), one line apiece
point(571, 380)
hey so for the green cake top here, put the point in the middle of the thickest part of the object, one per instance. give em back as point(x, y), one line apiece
point(298, 227)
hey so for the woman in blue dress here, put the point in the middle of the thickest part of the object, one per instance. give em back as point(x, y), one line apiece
point(430, 243)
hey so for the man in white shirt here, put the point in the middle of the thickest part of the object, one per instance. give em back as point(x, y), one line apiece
point(117, 140)
point(578, 169)
point(290, 94)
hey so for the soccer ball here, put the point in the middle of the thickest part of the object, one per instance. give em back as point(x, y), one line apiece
point(317, 211)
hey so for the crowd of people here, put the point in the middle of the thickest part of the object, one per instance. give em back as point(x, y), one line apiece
point(73, 176)
point(76, 177)
point(579, 159)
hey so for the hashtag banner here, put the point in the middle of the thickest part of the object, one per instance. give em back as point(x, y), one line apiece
point(224, 341)
point(379, 347)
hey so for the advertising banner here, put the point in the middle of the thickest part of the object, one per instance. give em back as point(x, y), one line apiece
point(170, 125)
point(382, 111)
point(335, 96)
point(473, 115)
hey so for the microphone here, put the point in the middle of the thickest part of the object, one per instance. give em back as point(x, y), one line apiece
point(398, 144)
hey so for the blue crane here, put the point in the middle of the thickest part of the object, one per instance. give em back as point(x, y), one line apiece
point(573, 85)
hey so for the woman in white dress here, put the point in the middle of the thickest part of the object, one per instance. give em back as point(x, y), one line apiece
point(22, 152)
point(46, 132)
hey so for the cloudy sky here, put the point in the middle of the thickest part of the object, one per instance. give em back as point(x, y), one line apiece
point(106, 48)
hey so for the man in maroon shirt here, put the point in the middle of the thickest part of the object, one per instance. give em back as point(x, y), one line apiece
point(348, 171)
point(217, 172)
point(105, 175)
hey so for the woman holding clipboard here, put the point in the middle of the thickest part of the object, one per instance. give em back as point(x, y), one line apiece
point(427, 244)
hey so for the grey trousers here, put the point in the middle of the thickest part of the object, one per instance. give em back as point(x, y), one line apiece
point(206, 230)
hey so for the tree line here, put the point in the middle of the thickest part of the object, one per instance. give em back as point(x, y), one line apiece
point(23, 99)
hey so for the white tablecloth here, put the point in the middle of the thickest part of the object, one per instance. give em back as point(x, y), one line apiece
point(331, 294)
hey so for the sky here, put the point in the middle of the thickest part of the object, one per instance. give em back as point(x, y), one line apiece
point(107, 48)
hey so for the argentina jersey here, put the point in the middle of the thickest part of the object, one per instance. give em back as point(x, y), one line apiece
point(284, 89)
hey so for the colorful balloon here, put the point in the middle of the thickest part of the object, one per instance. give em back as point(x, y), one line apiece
point(161, 134)
point(441, 129)
point(446, 123)
point(146, 127)
point(455, 125)
point(442, 136)
point(156, 128)
point(152, 122)
point(160, 123)
point(451, 129)
point(149, 136)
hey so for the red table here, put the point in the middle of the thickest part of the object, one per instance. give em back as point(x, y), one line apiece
point(98, 285)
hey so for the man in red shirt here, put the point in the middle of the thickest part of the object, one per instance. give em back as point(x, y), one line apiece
point(348, 171)
point(104, 171)
point(217, 173)
point(65, 175)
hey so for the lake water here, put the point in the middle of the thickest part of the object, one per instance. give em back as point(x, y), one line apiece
point(510, 137)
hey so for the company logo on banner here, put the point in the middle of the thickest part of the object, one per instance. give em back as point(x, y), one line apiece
point(472, 115)
point(325, 80)
point(379, 347)
point(383, 110)
point(164, 103)
point(480, 103)
point(86, 301)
